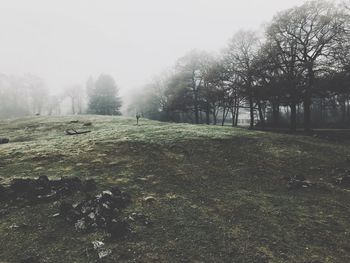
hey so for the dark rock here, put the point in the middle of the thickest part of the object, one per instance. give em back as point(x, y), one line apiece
point(73, 183)
point(65, 208)
point(87, 124)
point(4, 140)
point(21, 185)
point(48, 197)
point(68, 212)
point(66, 185)
point(117, 228)
point(120, 199)
point(24, 188)
point(43, 181)
point(116, 191)
point(106, 211)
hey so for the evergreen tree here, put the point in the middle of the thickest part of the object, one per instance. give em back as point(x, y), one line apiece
point(103, 98)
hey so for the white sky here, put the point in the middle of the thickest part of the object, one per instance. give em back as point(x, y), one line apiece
point(66, 41)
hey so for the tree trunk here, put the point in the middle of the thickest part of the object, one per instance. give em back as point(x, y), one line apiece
point(275, 114)
point(348, 110)
point(224, 115)
point(261, 115)
point(293, 117)
point(343, 110)
point(237, 113)
point(251, 107)
point(233, 116)
point(307, 113)
point(214, 116)
point(307, 100)
point(207, 116)
point(73, 109)
point(196, 114)
point(196, 107)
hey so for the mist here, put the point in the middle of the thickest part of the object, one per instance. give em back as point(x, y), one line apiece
point(66, 42)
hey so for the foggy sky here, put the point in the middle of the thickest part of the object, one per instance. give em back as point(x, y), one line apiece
point(66, 41)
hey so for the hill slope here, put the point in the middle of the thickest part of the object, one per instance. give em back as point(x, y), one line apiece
point(220, 194)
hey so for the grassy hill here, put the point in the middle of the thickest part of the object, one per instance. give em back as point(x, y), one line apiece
point(220, 193)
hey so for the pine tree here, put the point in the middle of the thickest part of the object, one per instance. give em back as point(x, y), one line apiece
point(103, 98)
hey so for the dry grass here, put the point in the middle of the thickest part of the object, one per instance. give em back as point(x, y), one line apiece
point(220, 192)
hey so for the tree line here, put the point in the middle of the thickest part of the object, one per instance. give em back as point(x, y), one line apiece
point(29, 95)
point(295, 74)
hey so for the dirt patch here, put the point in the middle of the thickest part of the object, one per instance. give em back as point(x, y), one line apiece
point(27, 190)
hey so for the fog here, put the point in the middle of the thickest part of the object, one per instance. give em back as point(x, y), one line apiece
point(64, 42)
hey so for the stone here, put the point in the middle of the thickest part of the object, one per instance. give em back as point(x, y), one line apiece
point(149, 199)
point(104, 253)
point(80, 225)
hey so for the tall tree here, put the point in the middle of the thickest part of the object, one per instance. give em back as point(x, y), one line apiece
point(190, 76)
point(241, 53)
point(282, 60)
point(315, 28)
point(104, 98)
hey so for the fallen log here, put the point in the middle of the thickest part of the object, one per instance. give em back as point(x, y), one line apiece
point(74, 132)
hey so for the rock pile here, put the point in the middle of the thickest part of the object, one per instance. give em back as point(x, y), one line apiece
point(101, 212)
point(43, 189)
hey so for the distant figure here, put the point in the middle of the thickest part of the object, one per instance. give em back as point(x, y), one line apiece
point(37, 114)
point(138, 116)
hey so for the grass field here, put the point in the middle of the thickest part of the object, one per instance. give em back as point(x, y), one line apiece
point(220, 193)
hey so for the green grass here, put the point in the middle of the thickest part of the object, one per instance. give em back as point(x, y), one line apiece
point(220, 192)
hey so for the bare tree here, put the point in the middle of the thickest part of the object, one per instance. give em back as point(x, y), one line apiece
point(76, 95)
point(282, 59)
point(241, 53)
point(190, 70)
point(314, 28)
